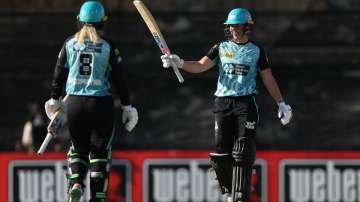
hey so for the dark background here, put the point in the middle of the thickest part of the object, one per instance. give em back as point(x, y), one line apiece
point(313, 47)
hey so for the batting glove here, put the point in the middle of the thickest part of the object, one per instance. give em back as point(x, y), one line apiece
point(129, 117)
point(172, 59)
point(284, 113)
point(52, 106)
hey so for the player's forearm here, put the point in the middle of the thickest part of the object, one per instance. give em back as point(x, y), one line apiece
point(193, 67)
point(202, 65)
point(273, 89)
point(124, 95)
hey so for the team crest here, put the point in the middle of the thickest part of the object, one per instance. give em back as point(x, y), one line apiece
point(227, 54)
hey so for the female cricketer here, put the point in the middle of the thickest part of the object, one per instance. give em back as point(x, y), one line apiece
point(89, 65)
point(235, 109)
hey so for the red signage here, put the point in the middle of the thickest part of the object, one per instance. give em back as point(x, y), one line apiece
point(163, 176)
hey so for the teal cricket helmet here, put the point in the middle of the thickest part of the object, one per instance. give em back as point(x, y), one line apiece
point(92, 12)
point(239, 16)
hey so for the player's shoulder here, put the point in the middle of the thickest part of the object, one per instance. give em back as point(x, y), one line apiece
point(225, 41)
point(255, 44)
point(220, 43)
point(69, 39)
point(67, 42)
point(230, 43)
point(113, 48)
point(112, 45)
point(109, 41)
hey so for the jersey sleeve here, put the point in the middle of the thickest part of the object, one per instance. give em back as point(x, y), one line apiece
point(117, 76)
point(213, 53)
point(263, 62)
point(60, 74)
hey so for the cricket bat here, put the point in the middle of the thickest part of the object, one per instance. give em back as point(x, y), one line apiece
point(53, 128)
point(156, 33)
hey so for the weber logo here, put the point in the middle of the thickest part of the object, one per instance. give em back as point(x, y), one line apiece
point(320, 180)
point(44, 180)
point(179, 180)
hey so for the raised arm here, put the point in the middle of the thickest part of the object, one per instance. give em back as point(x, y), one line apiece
point(204, 64)
point(199, 66)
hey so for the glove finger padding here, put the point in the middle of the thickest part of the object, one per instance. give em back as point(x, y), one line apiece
point(171, 60)
point(287, 116)
point(52, 106)
point(165, 59)
point(50, 114)
point(284, 113)
point(177, 60)
point(133, 119)
point(279, 114)
point(130, 117)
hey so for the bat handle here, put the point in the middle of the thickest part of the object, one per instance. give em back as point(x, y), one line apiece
point(47, 140)
point(177, 72)
point(166, 51)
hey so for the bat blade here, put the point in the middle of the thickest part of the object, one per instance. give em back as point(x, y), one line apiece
point(156, 33)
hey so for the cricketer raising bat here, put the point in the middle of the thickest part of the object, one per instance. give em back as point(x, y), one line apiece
point(53, 128)
point(155, 31)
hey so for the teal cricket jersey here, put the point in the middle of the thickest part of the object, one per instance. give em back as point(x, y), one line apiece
point(87, 69)
point(238, 67)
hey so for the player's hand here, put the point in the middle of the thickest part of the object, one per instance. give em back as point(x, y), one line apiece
point(52, 106)
point(169, 59)
point(284, 113)
point(129, 117)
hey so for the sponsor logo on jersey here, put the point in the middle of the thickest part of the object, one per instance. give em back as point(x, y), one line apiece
point(93, 47)
point(95, 82)
point(236, 69)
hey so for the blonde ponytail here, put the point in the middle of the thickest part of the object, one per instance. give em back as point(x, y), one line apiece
point(87, 32)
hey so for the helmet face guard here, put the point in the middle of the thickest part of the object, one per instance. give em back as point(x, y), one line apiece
point(92, 12)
